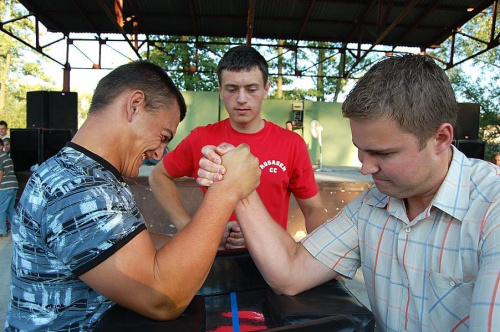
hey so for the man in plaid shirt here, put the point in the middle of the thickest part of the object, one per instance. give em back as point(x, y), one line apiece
point(426, 235)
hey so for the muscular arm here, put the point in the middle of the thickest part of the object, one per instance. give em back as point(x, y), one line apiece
point(314, 211)
point(286, 265)
point(165, 192)
point(160, 283)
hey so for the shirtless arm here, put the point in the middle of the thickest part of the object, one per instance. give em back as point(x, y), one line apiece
point(165, 192)
point(286, 265)
point(314, 211)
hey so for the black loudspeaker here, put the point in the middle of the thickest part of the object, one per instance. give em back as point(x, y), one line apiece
point(471, 148)
point(34, 145)
point(52, 109)
point(54, 140)
point(467, 126)
point(25, 148)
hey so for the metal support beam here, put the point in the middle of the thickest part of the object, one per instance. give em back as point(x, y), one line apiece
point(250, 21)
point(192, 12)
point(381, 37)
point(111, 16)
point(306, 19)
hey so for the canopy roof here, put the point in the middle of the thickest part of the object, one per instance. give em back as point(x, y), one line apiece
point(423, 24)
point(415, 23)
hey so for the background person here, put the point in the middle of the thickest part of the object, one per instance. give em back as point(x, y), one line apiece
point(6, 146)
point(495, 159)
point(283, 156)
point(425, 235)
point(81, 244)
point(8, 190)
point(289, 126)
point(4, 127)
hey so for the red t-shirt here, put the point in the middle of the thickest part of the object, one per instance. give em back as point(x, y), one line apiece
point(283, 157)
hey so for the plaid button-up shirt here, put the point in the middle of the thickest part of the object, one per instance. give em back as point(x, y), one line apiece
point(440, 271)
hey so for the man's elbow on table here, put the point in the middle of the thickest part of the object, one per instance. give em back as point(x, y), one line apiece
point(166, 311)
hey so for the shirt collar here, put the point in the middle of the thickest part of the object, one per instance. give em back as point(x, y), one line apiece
point(104, 163)
point(452, 196)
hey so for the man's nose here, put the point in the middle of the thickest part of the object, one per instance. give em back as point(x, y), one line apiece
point(158, 153)
point(368, 163)
point(242, 96)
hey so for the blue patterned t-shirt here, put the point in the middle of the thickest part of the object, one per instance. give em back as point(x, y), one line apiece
point(75, 212)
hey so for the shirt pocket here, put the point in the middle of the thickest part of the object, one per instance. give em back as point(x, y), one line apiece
point(449, 301)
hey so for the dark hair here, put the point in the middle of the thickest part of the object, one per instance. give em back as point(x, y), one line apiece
point(288, 122)
point(2, 122)
point(411, 90)
point(1, 140)
point(241, 58)
point(158, 87)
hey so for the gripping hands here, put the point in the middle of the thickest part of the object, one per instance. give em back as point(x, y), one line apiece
point(213, 169)
point(240, 168)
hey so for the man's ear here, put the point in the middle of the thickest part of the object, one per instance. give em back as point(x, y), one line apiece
point(135, 103)
point(443, 137)
point(267, 86)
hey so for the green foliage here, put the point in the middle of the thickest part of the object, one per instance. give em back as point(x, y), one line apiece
point(191, 68)
point(476, 81)
point(192, 64)
point(20, 71)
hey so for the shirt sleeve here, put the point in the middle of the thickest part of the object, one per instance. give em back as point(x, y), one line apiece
point(485, 304)
point(88, 225)
point(3, 157)
point(336, 242)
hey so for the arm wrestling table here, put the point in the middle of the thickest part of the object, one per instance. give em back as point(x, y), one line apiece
point(235, 297)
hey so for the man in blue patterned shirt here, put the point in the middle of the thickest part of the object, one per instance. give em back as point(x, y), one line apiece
point(426, 235)
point(80, 242)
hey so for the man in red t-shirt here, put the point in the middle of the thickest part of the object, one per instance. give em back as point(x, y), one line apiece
point(283, 156)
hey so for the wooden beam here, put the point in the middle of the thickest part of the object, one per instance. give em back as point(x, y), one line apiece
point(250, 21)
point(306, 19)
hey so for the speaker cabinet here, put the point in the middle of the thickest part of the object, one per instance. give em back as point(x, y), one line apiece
point(471, 148)
point(54, 140)
point(25, 148)
point(34, 145)
point(467, 126)
point(52, 109)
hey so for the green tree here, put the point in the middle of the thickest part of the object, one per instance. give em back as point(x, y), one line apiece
point(192, 63)
point(477, 80)
point(19, 73)
point(326, 63)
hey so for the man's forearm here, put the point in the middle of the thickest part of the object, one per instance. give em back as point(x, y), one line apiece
point(315, 217)
point(165, 192)
point(314, 211)
point(272, 248)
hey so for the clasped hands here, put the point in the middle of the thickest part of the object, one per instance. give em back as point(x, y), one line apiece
point(211, 170)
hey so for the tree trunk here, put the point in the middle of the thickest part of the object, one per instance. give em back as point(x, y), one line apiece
point(320, 87)
point(279, 83)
